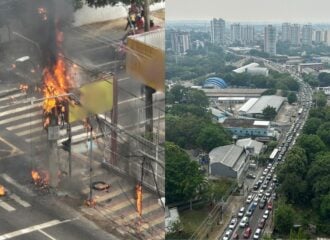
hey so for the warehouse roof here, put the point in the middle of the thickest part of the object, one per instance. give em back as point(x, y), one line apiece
point(264, 101)
point(244, 123)
point(232, 156)
point(248, 105)
point(248, 142)
point(243, 69)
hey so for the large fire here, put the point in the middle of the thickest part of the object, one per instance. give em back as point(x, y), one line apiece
point(56, 82)
point(2, 191)
point(41, 178)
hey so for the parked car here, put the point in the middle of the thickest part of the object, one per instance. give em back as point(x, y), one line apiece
point(241, 212)
point(270, 206)
point(262, 203)
point(235, 236)
point(249, 199)
point(257, 233)
point(227, 235)
point(266, 214)
point(247, 232)
point(233, 223)
point(261, 224)
point(244, 222)
point(251, 176)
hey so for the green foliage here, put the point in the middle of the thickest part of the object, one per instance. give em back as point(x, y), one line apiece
point(311, 125)
point(181, 94)
point(271, 91)
point(311, 80)
point(284, 218)
point(180, 186)
point(269, 113)
point(324, 132)
point(324, 79)
point(292, 97)
point(312, 144)
point(320, 99)
point(212, 136)
point(325, 207)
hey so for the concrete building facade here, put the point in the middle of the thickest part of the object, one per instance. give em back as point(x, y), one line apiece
point(270, 39)
point(307, 34)
point(218, 31)
point(180, 42)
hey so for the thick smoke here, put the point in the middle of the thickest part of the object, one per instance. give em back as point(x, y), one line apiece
point(40, 20)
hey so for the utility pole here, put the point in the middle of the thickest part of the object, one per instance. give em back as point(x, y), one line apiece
point(148, 90)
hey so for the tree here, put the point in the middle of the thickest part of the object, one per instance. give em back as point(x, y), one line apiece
point(312, 145)
point(324, 132)
point(320, 99)
point(325, 207)
point(284, 218)
point(182, 177)
point(269, 113)
point(311, 125)
point(212, 136)
point(292, 97)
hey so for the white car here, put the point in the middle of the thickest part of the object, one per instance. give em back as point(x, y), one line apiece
point(227, 235)
point(249, 199)
point(233, 223)
point(241, 212)
point(257, 233)
point(266, 214)
point(244, 222)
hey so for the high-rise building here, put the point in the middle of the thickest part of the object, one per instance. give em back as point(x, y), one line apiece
point(318, 36)
point(307, 34)
point(326, 37)
point(218, 31)
point(286, 32)
point(295, 34)
point(270, 39)
point(180, 42)
point(247, 34)
point(235, 33)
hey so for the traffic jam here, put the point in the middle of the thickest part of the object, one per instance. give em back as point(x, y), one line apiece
point(257, 212)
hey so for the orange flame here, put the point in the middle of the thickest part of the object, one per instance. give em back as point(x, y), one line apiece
point(139, 198)
point(2, 191)
point(40, 178)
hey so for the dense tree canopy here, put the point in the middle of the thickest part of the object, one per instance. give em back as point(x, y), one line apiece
point(292, 97)
point(311, 125)
point(284, 218)
point(179, 185)
point(269, 113)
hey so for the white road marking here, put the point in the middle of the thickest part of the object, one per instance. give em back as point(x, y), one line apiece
point(19, 200)
point(46, 234)
point(6, 206)
point(29, 123)
point(8, 90)
point(28, 115)
point(34, 228)
point(20, 109)
point(32, 130)
point(12, 181)
point(122, 79)
point(12, 97)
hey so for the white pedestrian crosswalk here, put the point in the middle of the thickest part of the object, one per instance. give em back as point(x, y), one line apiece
point(24, 118)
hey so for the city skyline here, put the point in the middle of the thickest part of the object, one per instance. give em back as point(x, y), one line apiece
point(297, 11)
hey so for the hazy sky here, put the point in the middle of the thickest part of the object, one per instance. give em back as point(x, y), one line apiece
point(250, 10)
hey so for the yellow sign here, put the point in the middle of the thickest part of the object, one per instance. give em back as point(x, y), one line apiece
point(95, 98)
point(146, 63)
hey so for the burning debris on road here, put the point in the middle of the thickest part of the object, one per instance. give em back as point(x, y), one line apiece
point(90, 203)
point(40, 178)
point(3, 191)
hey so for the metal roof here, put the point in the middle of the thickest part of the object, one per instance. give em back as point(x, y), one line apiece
point(242, 69)
point(248, 142)
point(264, 101)
point(232, 156)
point(248, 105)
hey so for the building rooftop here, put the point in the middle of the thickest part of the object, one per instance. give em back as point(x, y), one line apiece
point(248, 142)
point(243, 69)
point(229, 155)
point(264, 101)
point(244, 123)
point(248, 105)
point(234, 92)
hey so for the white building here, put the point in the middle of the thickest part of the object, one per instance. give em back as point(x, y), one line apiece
point(218, 31)
point(307, 34)
point(253, 69)
point(180, 42)
point(235, 33)
point(270, 39)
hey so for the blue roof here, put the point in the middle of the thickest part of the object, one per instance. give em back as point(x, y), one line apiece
point(215, 82)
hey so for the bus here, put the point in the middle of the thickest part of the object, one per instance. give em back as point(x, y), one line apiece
point(300, 111)
point(273, 154)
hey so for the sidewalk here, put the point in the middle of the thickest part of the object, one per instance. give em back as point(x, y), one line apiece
point(115, 209)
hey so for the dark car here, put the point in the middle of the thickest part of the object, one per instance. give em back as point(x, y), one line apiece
point(247, 232)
